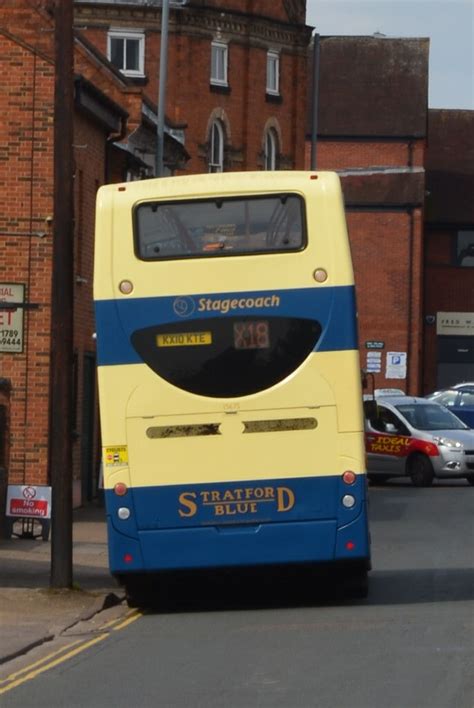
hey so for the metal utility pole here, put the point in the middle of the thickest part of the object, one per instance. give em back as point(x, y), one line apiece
point(315, 100)
point(62, 302)
point(162, 79)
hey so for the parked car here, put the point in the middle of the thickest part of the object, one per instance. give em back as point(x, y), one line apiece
point(414, 437)
point(459, 399)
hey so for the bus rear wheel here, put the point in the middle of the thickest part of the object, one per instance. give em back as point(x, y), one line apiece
point(352, 580)
point(420, 470)
point(356, 585)
point(138, 590)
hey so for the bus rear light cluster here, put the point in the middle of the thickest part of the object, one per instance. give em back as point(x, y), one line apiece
point(120, 489)
point(349, 477)
point(348, 501)
point(123, 513)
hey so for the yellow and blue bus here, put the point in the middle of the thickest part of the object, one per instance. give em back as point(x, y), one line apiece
point(229, 378)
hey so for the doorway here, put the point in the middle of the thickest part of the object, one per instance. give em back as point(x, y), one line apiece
point(455, 360)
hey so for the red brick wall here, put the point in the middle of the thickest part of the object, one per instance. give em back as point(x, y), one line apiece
point(26, 103)
point(352, 153)
point(245, 110)
point(387, 250)
point(190, 99)
point(388, 288)
point(264, 8)
point(26, 209)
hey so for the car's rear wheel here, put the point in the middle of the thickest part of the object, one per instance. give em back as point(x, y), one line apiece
point(420, 470)
point(470, 479)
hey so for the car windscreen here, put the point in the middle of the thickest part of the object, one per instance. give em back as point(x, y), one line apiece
point(430, 417)
point(219, 227)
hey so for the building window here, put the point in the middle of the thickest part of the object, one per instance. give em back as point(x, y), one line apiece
point(273, 73)
point(271, 149)
point(465, 249)
point(219, 55)
point(216, 156)
point(126, 51)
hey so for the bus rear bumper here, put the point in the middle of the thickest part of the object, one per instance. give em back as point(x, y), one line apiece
point(302, 542)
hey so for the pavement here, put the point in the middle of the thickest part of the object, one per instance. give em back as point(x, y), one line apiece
point(31, 613)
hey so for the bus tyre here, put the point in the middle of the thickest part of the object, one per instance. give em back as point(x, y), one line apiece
point(470, 479)
point(420, 470)
point(356, 585)
point(137, 598)
point(138, 592)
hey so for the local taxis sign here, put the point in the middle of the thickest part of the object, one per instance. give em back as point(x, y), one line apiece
point(29, 501)
point(11, 317)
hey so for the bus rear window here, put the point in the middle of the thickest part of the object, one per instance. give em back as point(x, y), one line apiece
point(219, 227)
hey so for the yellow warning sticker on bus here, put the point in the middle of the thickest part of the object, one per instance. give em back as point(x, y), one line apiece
point(116, 455)
point(183, 339)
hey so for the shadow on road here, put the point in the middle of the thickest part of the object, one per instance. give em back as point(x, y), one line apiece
point(405, 587)
point(231, 591)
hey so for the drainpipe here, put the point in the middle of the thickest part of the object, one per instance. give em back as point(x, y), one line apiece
point(113, 138)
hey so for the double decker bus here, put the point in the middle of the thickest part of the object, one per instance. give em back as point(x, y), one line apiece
point(229, 378)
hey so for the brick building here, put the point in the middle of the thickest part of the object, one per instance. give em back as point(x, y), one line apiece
point(449, 250)
point(371, 127)
point(104, 103)
point(237, 99)
point(233, 99)
point(236, 73)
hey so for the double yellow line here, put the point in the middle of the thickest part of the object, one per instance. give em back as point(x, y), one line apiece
point(65, 653)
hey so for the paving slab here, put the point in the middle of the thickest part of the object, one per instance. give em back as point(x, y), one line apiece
point(32, 613)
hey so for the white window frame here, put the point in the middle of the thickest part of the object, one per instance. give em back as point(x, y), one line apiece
point(219, 73)
point(217, 132)
point(126, 34)
point(271, 149)
point(273, 72)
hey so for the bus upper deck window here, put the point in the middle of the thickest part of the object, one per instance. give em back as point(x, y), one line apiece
point(220, 227)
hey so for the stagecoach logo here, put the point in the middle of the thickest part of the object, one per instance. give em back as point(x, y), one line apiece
point(235, 501)
point(184, 306)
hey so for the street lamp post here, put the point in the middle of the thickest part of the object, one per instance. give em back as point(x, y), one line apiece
point(160, 129)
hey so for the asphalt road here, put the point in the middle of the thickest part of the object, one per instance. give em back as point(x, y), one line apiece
point(409, 645)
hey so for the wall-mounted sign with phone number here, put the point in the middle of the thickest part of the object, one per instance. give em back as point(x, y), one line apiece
point(11, 317)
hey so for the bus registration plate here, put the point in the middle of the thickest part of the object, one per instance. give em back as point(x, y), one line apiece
point(183, 339)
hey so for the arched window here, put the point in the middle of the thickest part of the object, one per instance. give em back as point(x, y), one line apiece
point(216, 156)
point(271, 149)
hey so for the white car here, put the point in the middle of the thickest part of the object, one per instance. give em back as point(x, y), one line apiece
point(414, 437)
